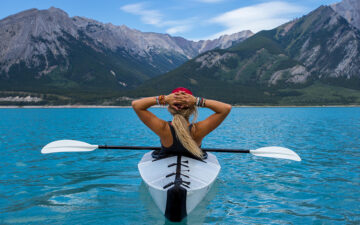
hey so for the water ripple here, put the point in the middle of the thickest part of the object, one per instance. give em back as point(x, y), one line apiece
point(104, 186)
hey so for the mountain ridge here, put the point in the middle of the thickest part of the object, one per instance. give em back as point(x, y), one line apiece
point(278, 66)
point(40, 43)
point(350, 10)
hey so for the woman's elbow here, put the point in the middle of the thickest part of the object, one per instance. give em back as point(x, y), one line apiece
point(225, 109)
point(134, 104)
point(228, 108)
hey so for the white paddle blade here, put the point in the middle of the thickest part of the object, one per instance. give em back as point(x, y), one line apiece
point(68, 146)
point(276, 152)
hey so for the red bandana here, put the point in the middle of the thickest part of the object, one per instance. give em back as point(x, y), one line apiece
point(182, 89)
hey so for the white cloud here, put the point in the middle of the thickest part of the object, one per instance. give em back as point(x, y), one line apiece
point(178, 29)
point(256, 17)
point(156, 18)
point(152, 17)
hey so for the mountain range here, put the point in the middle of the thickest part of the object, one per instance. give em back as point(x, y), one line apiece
point(314, 59)
point(311, 60)
point(50, 50)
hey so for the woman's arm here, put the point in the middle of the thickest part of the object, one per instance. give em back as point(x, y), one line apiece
point(156, 124)
point(221, 110)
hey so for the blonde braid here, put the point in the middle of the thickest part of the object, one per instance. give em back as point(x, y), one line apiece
point(180, 124)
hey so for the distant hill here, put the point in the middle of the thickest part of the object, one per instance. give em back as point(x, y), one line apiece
point(48, 51)
point(311, 60)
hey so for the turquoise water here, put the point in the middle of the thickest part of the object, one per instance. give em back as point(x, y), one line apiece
point(104, 186)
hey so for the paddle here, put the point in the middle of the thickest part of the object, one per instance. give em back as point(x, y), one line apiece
point(79, 146)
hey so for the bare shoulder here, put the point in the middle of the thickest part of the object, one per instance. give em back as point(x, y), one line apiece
point(221, 110)
point(196, 133)
point(166, 136)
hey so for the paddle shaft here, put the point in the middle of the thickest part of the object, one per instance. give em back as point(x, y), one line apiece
point(159, 148)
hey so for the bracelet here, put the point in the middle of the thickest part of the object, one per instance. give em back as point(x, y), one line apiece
point(160, 100)
point(200, 102)
point(157, 100)
point(203, 102)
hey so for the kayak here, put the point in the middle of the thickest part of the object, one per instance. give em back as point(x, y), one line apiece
point(177, 183)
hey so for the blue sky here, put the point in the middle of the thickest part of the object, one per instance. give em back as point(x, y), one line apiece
point(191, 19)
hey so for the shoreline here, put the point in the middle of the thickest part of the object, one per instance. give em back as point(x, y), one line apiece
point(114, 107)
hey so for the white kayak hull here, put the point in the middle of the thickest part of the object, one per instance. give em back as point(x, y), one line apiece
point(177, 184)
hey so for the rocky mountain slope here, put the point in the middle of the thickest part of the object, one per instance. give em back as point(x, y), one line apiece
point(324, 42)
point(48, 49)
point(350, 10)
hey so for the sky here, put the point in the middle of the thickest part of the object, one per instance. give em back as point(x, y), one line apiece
point(191, 19)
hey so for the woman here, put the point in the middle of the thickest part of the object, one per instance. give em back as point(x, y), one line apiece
point(179, 136)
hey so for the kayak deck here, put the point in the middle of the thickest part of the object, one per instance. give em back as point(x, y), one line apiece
point(177, 184)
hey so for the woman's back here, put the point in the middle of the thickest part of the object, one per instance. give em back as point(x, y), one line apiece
point(182, 104)
point(174, 146)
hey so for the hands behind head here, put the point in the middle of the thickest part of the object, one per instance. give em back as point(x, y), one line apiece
point(180, 100)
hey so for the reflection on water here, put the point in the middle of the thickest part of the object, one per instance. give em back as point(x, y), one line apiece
point(197, 216)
